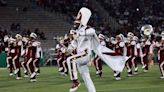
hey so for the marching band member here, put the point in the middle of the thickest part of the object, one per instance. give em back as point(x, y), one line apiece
point(62, 57)
point(139, 56)
point(7, 51)
point(147, 30)
point(97, 60)
point(59, 57)
point(161, 56)
point(31, 56)
point(16, 61)
point(39, 56)
point(24, 55)
point(146, 53)
point(66, 54)
point(131, 52)
point(87, 41)
point(82, 57)
point(120, 49)
point(152, 47)
point(10, 54)
point(72, 66)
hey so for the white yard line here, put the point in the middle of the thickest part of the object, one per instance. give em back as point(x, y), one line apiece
point(125, 89)
point(3, 68)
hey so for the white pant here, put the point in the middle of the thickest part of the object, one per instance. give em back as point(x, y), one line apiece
point(72, 61)
point(81, 59)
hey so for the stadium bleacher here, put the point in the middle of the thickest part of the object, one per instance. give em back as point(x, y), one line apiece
point(54, 20)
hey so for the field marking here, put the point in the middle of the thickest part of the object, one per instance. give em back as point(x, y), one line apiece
point(126, 89)
point(3, 68)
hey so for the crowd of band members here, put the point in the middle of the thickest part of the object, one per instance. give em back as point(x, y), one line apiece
point(25, 53)
point(139, 51)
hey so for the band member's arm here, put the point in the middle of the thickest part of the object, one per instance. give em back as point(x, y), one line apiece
point(72, 46)
point(121, 45)
point(87, 32)
point(159, 55)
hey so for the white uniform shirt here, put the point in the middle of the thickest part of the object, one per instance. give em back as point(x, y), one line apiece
point(84, 39)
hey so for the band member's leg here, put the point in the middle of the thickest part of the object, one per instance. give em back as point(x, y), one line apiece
point(30, 66)
point(7, 61)
point(161, 65)
point(95, 63)
point(31, 69)
point(72, 69)
point(146, 61)
point(25, 68)
point(98, 66)
point(129, 66)
point(84, 71)
point(80, 59)
point(65, 66)
point(38, 65)
point(34, 64)
point(10, 66)
point(135, 64)
point(17, 66)
point(14, 64)
point(60, 65)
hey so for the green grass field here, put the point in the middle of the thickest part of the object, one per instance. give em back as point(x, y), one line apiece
point(51, 81)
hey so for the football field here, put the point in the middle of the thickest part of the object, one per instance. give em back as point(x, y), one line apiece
point(51, 81)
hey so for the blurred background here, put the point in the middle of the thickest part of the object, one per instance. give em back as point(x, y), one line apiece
point(50, 19)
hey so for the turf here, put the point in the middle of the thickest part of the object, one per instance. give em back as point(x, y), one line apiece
point(51, 81)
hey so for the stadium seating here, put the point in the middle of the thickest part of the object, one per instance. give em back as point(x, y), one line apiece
point(51, 24)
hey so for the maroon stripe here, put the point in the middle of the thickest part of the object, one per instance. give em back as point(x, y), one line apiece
point(72, 70)
point(111, 54)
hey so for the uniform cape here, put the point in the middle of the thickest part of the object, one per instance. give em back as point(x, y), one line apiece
point(117, 63)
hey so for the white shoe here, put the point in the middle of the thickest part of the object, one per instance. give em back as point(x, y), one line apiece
point(74, 87)
point(162, 77)
point(25, 71)
point(16, 71)
point(11, 74)
point(129, 70)
point(97, 72)
point(60, 69)
point(115, 74)
point(135, 73)
point(118, 78)
point(26, 76)
point(33, 74)
point(8, 65)
point(36, 69)
point(37, 74)
point(130, 75)
point(18, 78)
point(33, 80)
point(145, 71)
point(136, 69)
point(63, 74)
point(143, 66)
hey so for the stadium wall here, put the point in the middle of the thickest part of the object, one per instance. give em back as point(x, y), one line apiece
point(2, 59)
point(4, 64)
